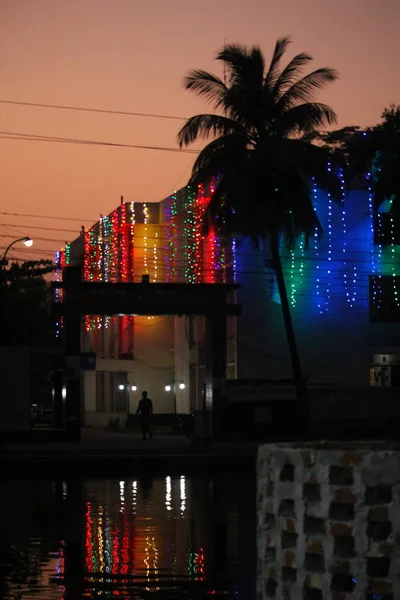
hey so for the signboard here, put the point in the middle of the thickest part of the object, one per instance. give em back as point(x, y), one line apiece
point(260, 391)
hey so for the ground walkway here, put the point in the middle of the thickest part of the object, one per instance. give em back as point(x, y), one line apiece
point(103, 451)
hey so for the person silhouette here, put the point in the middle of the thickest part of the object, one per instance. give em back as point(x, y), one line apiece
point(145, 409)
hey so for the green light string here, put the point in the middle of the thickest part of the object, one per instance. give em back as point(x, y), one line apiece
point(189, 235)
point(292, 283)
point(67, 254)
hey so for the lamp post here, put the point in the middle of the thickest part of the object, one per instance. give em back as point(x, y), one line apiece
point(27, 241)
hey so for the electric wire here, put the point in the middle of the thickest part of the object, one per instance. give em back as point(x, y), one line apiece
point(94, 110)
point(32, 137)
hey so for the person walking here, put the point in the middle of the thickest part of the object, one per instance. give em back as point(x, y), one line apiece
point(145, 409)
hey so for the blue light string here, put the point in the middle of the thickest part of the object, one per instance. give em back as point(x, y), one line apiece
point(328, 288)
point(316, 239)
point(372, 227)
point(344, 230)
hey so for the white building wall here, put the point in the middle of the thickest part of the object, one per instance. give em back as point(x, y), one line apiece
point(182, 364)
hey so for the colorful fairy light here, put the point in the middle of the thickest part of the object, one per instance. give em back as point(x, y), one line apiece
point(234, 260)
point(199, 237)
point(155, 257)
point(106, 247)
point(67, 254)
point(189, 235)
point(378, 292)
point(344, 233)
point(292, 271)
point(125, 227)
point(372, 231)
point(132, 241)
point(328, 287)
point(169, 231)
point(100, 257)
point(145, 218)
point(115, 247)
point(393, 262)
point(316, 244)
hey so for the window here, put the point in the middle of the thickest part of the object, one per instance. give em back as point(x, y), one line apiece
point(384, 298)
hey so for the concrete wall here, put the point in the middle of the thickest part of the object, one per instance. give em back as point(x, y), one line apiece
point(328, 289)
point(328, 522)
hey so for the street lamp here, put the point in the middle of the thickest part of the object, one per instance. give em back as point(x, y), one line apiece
point(27, 241)
point(172, 387)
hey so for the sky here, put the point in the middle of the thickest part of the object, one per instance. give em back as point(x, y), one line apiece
point(132, 55)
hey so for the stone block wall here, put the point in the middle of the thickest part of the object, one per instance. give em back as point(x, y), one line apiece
point(328, 524)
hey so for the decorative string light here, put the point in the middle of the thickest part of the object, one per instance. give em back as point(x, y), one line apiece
point(106, 246)
point(302, 249)
point(125, 227)
point(292, 270)
point(189, 235)
point(155, 257)
point(372, 232)
point(132, 241)
point(145, 218)
point(328, 287)
point(100, 257)
point(170, 236)
point(199, 237)
point(234, 260)
point(394, 261)
point(316, 244)
point(67, 254)
point(344, 242)
point(114, 250)
point(378, 296)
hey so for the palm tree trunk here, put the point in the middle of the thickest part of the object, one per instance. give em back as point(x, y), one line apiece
point(287, 316)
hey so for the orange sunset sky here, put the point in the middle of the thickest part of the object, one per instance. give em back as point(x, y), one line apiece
point(131, 55)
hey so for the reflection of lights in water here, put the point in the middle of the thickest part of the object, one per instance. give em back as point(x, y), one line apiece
point(64, 490)
point(122, 495)
point(108, 546)
point(151, 547)
point(168, 493)
point(183, 492)
point(100, 540)
point(134, 496)
point(60, 570)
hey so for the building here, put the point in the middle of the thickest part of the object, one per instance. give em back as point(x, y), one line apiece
point(164, 355)
point(343, 292)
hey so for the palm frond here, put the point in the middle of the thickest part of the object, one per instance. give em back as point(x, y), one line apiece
point(273, 71)
point(205, 126)
point(306, 118)
point(236, 58)
point(304, 90)
point(290, 73)
point(205, 84)
point(222, 156)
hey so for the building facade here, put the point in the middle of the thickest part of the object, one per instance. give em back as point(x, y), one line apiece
point(344, 292)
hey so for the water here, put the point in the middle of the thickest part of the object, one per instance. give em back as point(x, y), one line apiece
point(154, 537)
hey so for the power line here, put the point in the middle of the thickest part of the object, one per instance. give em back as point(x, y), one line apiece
point(94, 110)
point(32, 137)
point(38, 227)
point(47, 217)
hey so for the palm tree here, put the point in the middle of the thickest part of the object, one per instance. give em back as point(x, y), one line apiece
point(261, 154)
